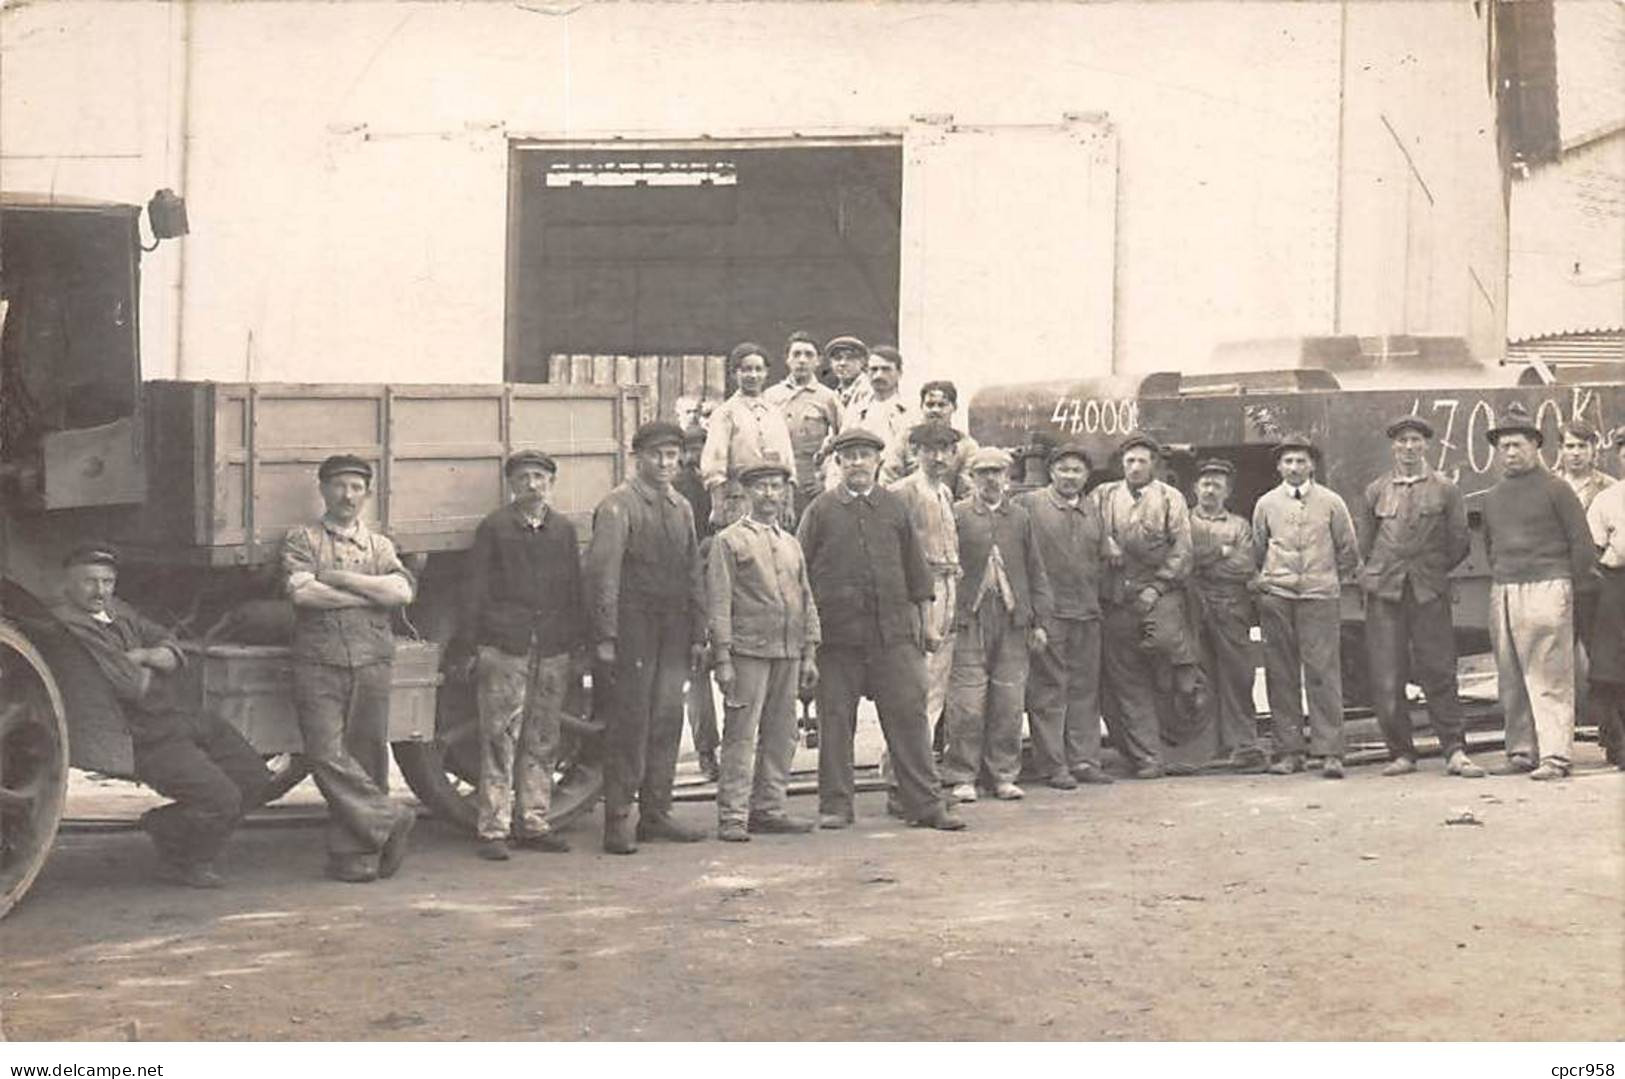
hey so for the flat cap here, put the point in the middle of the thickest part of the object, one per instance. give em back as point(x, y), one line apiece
point(657, 433)
point(1409, 422)
point(344, 463)
point(1071, 449)
point(91, 554)
point(990, 457)
point(845, 343)
point(933, 433)
point(535, 458)
point(857, 436)
point(1515, 420)
point(1295, 440)
point(1140, 438)
point(1213, 465)
point(753, 472)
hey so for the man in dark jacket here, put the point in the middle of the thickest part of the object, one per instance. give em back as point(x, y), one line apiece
point(522, 621)
point(211, 772)
point(872, 585)
point(645, 599)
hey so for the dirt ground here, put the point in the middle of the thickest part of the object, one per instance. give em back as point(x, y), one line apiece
point(1208, 908)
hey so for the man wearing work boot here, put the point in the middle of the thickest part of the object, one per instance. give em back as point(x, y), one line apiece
point(1304, 545)
point(645, 598)
point(1063, 685)
point(764, 636)
point(1222, 551)
point(873, 589)
point(1413, 533)
point(346, 581)
point(1541, 556)
point(1004, 604)
point(523, 634)
point(211, 772)
point(1148, 647)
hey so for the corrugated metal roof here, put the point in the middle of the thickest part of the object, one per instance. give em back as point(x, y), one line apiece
point(1593, 347)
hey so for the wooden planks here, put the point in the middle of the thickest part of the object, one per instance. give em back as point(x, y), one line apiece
point(667, 378)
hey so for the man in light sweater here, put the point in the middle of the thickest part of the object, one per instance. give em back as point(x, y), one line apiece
point(1541, 555)
point(1305, 546)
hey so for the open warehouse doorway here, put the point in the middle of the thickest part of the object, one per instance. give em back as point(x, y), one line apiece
point(632, 257)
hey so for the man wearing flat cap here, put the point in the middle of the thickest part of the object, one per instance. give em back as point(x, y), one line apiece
point(1003, 607)
point(1149, 651)
point(211, 772)
point(1541, 558)
point(1063, 681)
point(1605, 701)
point(1304, 545)
point(848, 360)
point(346, 582)
point(1222, 564)
point(873, 587)
point(646, 607)
point(938, 400)
point(764, 639)
point(523, 629)
point(1413, 532)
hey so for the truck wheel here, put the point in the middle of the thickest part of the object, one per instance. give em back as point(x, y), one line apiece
point(33, 764)
point(443, 773)
point(287, 770)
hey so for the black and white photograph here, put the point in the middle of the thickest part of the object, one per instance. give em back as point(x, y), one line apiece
point(673, 526)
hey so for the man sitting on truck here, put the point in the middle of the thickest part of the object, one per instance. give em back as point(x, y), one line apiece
point(210, 771)
point(345, 580)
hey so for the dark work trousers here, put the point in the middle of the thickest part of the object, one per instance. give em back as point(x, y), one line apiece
point(1130, 687)
point(702, 713)
point(1063, 698)
point(344, 717)
point(1409, 641)
point(1227, 660)
point(1301, 647)
point(214, 777)
point(646, 712)
point(894, 677)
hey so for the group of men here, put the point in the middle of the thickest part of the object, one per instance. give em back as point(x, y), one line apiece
point(828, 541)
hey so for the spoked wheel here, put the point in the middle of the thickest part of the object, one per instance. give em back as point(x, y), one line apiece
point(33, 764)
point(287, 771)
point(443, 773)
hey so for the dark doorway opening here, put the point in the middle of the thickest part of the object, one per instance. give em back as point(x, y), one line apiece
point(690, 249)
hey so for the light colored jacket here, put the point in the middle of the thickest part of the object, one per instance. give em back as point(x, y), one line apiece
point(1303, 546)
point(759, 598)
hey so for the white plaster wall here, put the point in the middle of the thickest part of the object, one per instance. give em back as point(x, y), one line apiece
point(347, 177)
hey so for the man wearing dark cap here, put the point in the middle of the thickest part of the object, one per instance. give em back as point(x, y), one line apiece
point(1541, 557)
point(811, 410)
point(938, 400)
point(1148, 648)
point(1605, 701)
point(872, 587)
point(211, 772)
point(1413, 532)
point(848, 358)
point(764, 637)
point(1305, 546)
point(1222, 564)
point(1063, 683)
point(698, 700)
point(523, 628)
point(645, 599)
point(345, 581)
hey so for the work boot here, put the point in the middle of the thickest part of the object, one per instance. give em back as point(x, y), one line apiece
point(964, 792)
point(493, 850)
point(1248, 761)
point(732, 831)
point(1399, 766)
point(834, 822)
point(1181, 769)
point(1515, 765)
point(394, 849)
point(661, 826)
point(1008, 792)
point(779, 824)
point(352, 868)
point(1332, 768)
point(941, 818)
point(1462, 765)
point(619, 835)
point(1063, 781)
point(190, 874)
point(1288, 764)
point(1148, 771)
point(545, 842)
point(1091, 775)
point(1550, 769)
point(708, 765)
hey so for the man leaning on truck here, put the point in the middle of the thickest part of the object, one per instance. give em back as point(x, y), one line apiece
point(344, 581)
